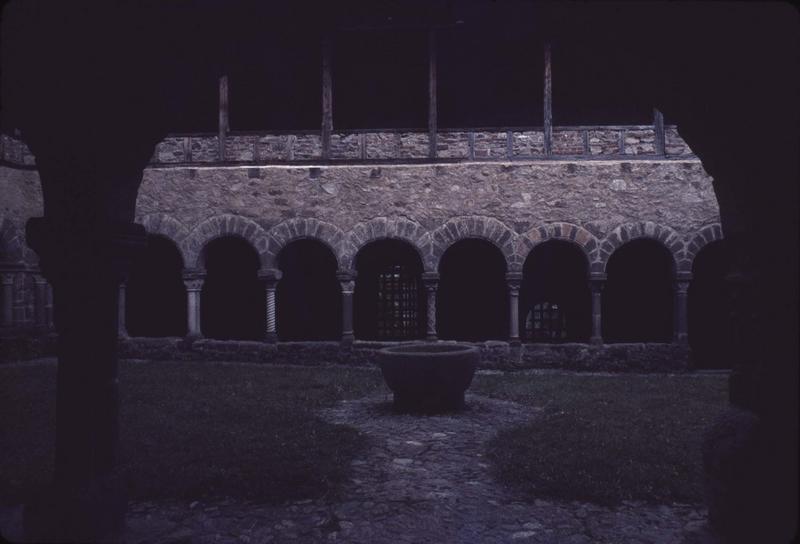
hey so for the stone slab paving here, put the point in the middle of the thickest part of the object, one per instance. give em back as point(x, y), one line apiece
point(423, 479)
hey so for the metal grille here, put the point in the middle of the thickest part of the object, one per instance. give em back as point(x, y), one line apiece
point(398, 301)
point(546, 323)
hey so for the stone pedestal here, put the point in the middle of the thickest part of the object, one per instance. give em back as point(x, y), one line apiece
point(347, 281)
point(597, 282)
point(193, 280)
point(85, 266)
point(271, 278)
point(514, 281)
point(431, 282)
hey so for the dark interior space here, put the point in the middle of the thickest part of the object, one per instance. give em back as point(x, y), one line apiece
point(233, 300)
point(555, 302)
point(308, 297)
point(709, 308)
point(472, 299)
point(638, 296)
point(389, 299)
point(155, 297)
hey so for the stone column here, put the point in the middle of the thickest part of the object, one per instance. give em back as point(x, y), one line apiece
point(271, 277)
point(514, 281)
point(7, 315)
point(41, 301)
point(681, 332)
point(347, 280)
point(431, 282)
point(123, 329)
point(597, 282)
point(85, 265)
point(193, 280)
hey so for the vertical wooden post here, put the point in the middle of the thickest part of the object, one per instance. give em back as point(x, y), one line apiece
point(223, 115)
point(658, 127)
point(548, 103)
point(432, 108)
point(327, 98)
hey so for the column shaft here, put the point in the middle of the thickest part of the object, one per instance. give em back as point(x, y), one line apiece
point(514, 281)
point(431, 283)
point(681, 335)
point(597, 317)
point(194, 286)
point(347, 280)
point(272, 334)
point(41, 302)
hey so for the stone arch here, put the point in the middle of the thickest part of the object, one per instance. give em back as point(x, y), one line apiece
point(475, 226)
point(382, 228)
point(706, 235)
point(287, 231)
point(667, 236)
point(192, 245)
point(168, 227)
point(566, 232)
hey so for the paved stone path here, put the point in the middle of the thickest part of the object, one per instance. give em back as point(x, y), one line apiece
point(423, 479)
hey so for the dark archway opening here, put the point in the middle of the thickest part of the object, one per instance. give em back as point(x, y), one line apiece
point(638, 295)
point(155, 296)
point(308, 297)
point(709, 314)
point(233, 301)
point(389, 298)
point(472, 302)
point(555, 301)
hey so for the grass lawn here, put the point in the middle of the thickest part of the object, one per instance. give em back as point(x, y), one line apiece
point(606, 438)
point(192, 430)
point(197, 429)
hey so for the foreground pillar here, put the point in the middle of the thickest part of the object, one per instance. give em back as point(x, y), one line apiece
point(514, 281)
point(597, 282)
point(431, 282)
point(193, 280)
point(122, 329)
point(681, 334)
point(85, 265)
point(347, 281)
point(271, 277)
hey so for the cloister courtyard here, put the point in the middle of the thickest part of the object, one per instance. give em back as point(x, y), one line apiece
point(247, 452)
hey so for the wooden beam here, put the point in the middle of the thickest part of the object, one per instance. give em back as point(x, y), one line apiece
point(327, 98)
point(658, 127)
point(224, 125)
point(432, 108)
point(548, 103)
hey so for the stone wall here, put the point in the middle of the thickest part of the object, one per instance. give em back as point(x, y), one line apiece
point(664, 199)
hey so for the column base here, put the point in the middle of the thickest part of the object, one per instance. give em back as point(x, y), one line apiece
point(91, 512)
point(596, 340)
point(271, 338)
point(432, 338)
point(514, 342)
point(347, 340)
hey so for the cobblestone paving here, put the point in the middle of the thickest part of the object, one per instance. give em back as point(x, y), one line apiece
point(423, 479)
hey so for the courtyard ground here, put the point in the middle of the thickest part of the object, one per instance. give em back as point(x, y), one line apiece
point(227, 452)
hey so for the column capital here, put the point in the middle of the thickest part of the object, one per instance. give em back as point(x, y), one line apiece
point(514, 280)
point(193, 279)
point(270, 275)
point(348, 280)
point(598, 276)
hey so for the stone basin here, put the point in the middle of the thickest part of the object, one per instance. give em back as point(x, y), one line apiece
point(428, 377)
